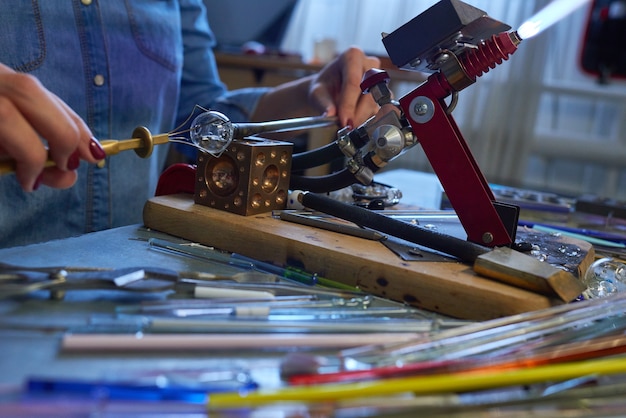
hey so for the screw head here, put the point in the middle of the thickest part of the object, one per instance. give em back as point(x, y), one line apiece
point(421, 108)
point(415, 63)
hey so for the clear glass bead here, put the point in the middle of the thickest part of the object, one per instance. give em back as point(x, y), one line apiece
point(604, 277)
point(211, 131)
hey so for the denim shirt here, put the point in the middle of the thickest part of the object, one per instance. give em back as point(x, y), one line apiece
point(119, 64)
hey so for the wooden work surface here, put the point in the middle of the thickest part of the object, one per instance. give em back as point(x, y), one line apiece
point(448, 287)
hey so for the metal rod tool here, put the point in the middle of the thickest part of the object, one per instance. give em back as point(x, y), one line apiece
point(143, 143)
point(242, 130)
point(502, 263)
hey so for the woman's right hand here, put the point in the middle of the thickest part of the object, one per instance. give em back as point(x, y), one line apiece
point(28, 113)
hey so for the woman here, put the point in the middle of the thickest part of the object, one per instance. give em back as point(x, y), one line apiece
point(73, 71)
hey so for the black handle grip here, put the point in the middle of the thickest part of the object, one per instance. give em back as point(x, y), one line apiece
point(465, 251)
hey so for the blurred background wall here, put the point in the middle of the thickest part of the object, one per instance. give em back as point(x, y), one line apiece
point(536, 121)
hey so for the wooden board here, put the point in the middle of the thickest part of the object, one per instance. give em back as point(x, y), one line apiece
point(450, 287)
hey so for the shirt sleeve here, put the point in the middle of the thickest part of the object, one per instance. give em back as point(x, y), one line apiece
point(200, 83)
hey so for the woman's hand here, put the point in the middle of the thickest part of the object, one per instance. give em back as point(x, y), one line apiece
point(336, 88)
point(334, 91)
point(28, 113)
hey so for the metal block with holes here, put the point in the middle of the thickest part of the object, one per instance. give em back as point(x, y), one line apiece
point(251, 176)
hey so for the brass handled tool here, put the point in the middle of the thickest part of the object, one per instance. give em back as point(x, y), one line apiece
point(210, 131)
point(143, 143)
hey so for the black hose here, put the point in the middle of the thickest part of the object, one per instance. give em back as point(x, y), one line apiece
point(316, 157)
point(323, 184)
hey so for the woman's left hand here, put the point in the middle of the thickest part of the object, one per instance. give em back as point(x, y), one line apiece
point(336, 90)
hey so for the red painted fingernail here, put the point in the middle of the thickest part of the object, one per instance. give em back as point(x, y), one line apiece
point(37, 182)
point(350, 124)
point(96, 149)
point(74, 161)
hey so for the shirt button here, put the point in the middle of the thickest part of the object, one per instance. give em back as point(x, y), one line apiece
point(86, 2)
point(98, 80)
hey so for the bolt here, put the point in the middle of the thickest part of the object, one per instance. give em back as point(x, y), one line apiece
point(421, 108)
point(441, 58)
point(487, 237)
point(58, 294)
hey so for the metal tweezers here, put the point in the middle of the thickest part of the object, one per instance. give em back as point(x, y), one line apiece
point(20, 280)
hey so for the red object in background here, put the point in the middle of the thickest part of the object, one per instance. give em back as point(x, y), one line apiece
point(603, 52)
point(177, 178)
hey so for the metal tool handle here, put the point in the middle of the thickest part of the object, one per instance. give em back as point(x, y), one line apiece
point(465, 251)
point(143, 143)
point(242, 130)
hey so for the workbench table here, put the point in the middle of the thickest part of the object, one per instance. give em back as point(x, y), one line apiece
point(31, 327)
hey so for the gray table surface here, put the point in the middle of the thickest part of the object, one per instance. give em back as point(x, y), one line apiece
point(31, 328)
